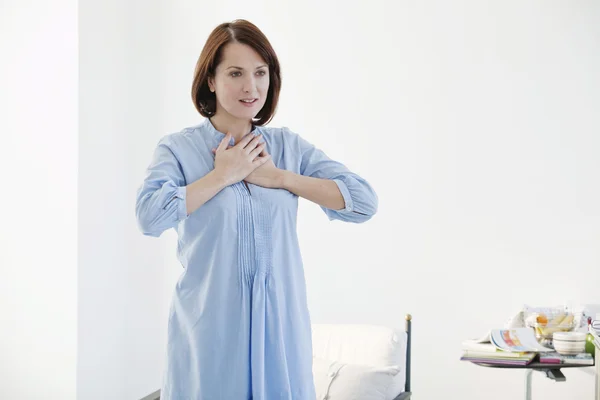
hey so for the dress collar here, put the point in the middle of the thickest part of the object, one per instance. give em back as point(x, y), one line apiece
point(218, 135)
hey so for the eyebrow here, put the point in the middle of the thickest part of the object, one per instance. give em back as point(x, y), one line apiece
point(233, 66)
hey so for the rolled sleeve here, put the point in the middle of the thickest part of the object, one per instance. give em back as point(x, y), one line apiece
point(181, 204)
point(161, 199)
point(360, 199)
point(349, 205)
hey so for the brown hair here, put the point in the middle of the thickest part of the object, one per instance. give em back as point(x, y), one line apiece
point(240, 31)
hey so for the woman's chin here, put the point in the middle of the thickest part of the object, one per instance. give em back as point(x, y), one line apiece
point(245, 114)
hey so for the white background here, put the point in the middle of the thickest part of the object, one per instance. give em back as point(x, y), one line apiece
point(476, 123)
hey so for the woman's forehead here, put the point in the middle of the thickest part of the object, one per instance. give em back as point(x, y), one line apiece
point(241, 56)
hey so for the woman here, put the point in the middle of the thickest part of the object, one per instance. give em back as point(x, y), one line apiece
point(239, 326)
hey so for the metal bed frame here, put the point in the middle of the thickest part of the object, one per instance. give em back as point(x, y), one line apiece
point(406, 395)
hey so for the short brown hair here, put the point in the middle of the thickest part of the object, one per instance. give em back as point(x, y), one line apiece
point(240, 31)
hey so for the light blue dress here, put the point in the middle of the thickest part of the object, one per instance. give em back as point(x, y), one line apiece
point(239, 326)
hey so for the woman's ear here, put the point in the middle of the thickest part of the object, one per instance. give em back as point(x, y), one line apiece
point(211, 84)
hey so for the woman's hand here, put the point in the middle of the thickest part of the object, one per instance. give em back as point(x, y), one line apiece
point(237, 162)
point(266, 174)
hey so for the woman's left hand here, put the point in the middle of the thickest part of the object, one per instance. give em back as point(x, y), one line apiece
point(267, 175)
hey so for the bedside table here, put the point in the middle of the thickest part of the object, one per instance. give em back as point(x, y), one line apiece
point(597, 355)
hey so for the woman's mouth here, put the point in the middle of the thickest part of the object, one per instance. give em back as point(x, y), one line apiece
point(248, 102)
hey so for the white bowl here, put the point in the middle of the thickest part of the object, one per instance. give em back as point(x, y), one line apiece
point(569, 342)
point(569, 336)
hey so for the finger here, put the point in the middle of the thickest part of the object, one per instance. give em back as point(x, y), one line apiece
point(265, 159)
point(245, 140)
point(255, 140)
point(261, 160)
point(264, 152)
point(257, 151)
point(224, 143)
point(253, 143)
point(215, 150)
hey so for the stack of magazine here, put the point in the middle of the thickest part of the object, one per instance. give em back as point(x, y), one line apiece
point(595, 330)
point(595, 326)
point(516, 346)
point(556, 358)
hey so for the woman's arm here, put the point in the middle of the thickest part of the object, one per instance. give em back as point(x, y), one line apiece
point(324, 192)
point(203, 190)
point(165, 199)
point(318, 176)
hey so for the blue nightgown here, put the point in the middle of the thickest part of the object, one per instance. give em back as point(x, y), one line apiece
point(239, 326)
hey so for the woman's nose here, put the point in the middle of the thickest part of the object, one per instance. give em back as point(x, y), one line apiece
point(248, 85)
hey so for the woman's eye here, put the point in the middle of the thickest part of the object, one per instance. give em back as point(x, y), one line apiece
point(262, 72)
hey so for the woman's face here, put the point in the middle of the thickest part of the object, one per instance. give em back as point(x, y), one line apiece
point(241, 82)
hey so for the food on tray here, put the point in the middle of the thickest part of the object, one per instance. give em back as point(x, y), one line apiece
point(567, 322)
point(542, 319)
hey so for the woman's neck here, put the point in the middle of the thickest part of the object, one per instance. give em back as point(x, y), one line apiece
point(236, 127)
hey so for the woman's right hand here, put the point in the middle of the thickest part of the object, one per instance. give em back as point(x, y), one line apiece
point(237, 162)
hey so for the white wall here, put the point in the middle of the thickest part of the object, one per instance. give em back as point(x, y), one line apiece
point(123, 300)
point(38, 232)
point(477, 124)
point(474, 122)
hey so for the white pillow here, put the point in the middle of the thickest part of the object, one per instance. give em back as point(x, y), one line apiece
point(365, 345)
point(338, 381)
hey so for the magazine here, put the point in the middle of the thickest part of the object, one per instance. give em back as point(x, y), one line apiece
point(596, 327)
point(492, 359)
point(518, 340)
point(556, 358)
point(596, 336)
